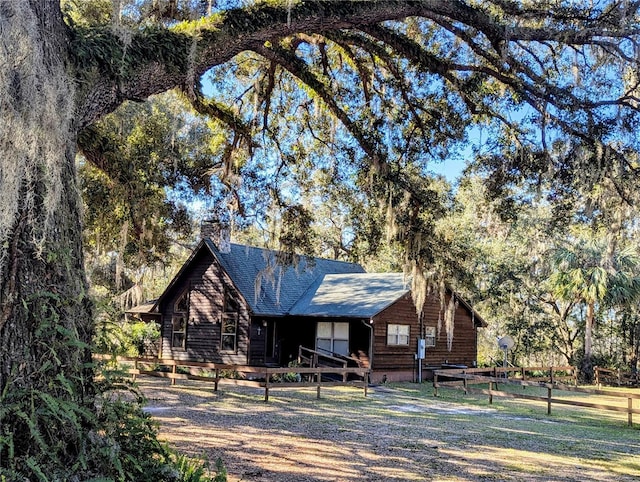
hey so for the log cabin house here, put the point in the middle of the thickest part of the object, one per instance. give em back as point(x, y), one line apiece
point(238, 306)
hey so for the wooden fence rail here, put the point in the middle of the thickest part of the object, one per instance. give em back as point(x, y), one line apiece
point(619, 378)
point(262, 377)
point(557, 374)
point(467, 379)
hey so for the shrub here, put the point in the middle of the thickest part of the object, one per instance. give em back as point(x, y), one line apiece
point(115, 441)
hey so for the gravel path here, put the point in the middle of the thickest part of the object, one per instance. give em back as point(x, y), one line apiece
point(392, 435)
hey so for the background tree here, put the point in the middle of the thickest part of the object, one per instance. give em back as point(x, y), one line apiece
point(402, 78)
point(511, 242)
point(139, 168)
point(586, 274)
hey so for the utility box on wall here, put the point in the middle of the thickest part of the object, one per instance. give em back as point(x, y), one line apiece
point(422, 346)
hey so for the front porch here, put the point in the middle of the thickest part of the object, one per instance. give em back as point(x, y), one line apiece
point(286, 341)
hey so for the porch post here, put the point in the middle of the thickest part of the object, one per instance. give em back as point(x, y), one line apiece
point(369, 324)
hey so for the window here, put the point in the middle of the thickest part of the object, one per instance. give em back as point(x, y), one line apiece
point(397, 334)
point(332, 337)
point(430, 336)
point(229, 330)
point(230, 304)
point(179, 322)
point(229, 324)
point(179, 332)
point(182, 304)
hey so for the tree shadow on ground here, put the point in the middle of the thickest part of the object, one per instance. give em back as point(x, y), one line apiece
point(393, 435)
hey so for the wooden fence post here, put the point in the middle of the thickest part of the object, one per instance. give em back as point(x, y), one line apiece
point(266, 386)
point(217, 379)
point(548, 399)
point(319, 380)
point(174, 371)
point(464, 382)
point(630, 411)
point(490, 393)
point(435, 384)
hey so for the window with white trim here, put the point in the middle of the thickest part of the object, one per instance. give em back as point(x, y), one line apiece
point(397, 334)
point(430, 336)
point(332, 337)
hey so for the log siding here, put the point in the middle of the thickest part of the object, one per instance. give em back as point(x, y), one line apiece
point(402, 357)
point(206, 284)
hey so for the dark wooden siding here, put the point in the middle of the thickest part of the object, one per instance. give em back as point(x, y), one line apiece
point(403, 312)
point(464, 346)
point(206, 283)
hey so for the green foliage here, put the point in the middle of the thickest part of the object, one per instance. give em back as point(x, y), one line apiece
point(87, 12)
point(132, 158)
point(39, 432)
point(45, 438)
point(100, 51)
point(221, 471)
point(109, 336)
point(64, 425)
point(140, 335)
point(296, 235)
point(126, 444)
point(194, 470)
point(114, 335)
point(291, 377)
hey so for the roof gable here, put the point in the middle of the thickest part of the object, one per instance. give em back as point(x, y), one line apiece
point(269, 288)
point(358, 295)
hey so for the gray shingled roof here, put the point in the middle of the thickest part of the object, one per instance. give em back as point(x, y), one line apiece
point(358, 295)
point(278, 291)
point(322, 288)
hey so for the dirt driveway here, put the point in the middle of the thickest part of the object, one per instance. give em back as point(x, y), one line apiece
point(395, 434)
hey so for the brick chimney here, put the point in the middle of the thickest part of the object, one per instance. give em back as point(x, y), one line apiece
point(218, 232)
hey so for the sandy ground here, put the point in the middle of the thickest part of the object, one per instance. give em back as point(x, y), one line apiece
point(391, 435)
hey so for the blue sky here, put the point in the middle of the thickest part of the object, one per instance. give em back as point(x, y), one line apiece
point(451, 168)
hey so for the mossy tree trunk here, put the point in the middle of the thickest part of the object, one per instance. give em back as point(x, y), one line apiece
point(55, 80)
point(45, 314)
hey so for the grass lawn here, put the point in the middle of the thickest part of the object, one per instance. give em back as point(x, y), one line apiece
point(400, 432)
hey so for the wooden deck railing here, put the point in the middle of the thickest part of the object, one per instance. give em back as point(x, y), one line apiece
point(468, 379)
point(242, 375)
point(316, 358)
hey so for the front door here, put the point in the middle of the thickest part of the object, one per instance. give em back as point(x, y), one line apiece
point(263, 349)
point(332, 337)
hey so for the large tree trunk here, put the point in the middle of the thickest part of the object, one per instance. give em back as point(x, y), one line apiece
point(45, 314)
